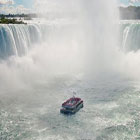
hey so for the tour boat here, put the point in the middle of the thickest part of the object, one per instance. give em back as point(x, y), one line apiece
point(72, 105)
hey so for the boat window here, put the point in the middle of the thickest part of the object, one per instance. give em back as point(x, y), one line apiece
point(72, 101)
point(78, 104)
point(69, 108)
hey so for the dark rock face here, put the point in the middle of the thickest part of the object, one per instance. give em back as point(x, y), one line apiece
point(129, 13)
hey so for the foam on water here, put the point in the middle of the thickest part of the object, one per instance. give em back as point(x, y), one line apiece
point(80, 56)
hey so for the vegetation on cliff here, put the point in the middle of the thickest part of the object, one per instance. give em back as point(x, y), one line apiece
point(4, 20)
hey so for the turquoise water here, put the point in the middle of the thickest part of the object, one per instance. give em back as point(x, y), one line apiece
point(34, 83)
point(111, 111)
point(130, 36)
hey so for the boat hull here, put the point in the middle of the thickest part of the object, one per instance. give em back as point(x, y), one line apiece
point(73, 111)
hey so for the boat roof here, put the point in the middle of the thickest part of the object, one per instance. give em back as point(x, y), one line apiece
point(71, 102)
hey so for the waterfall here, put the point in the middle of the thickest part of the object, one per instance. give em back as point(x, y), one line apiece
point(17, 39)
point(130, 37)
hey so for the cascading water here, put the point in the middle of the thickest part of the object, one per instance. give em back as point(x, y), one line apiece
point(17, 39)
point(75, 48)
point(130, 33)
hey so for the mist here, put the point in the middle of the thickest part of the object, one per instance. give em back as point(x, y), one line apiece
point(81, 43)
point(75, 45)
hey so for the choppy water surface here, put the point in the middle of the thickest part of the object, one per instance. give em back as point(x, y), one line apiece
point(111, 111)
point(39, 68)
